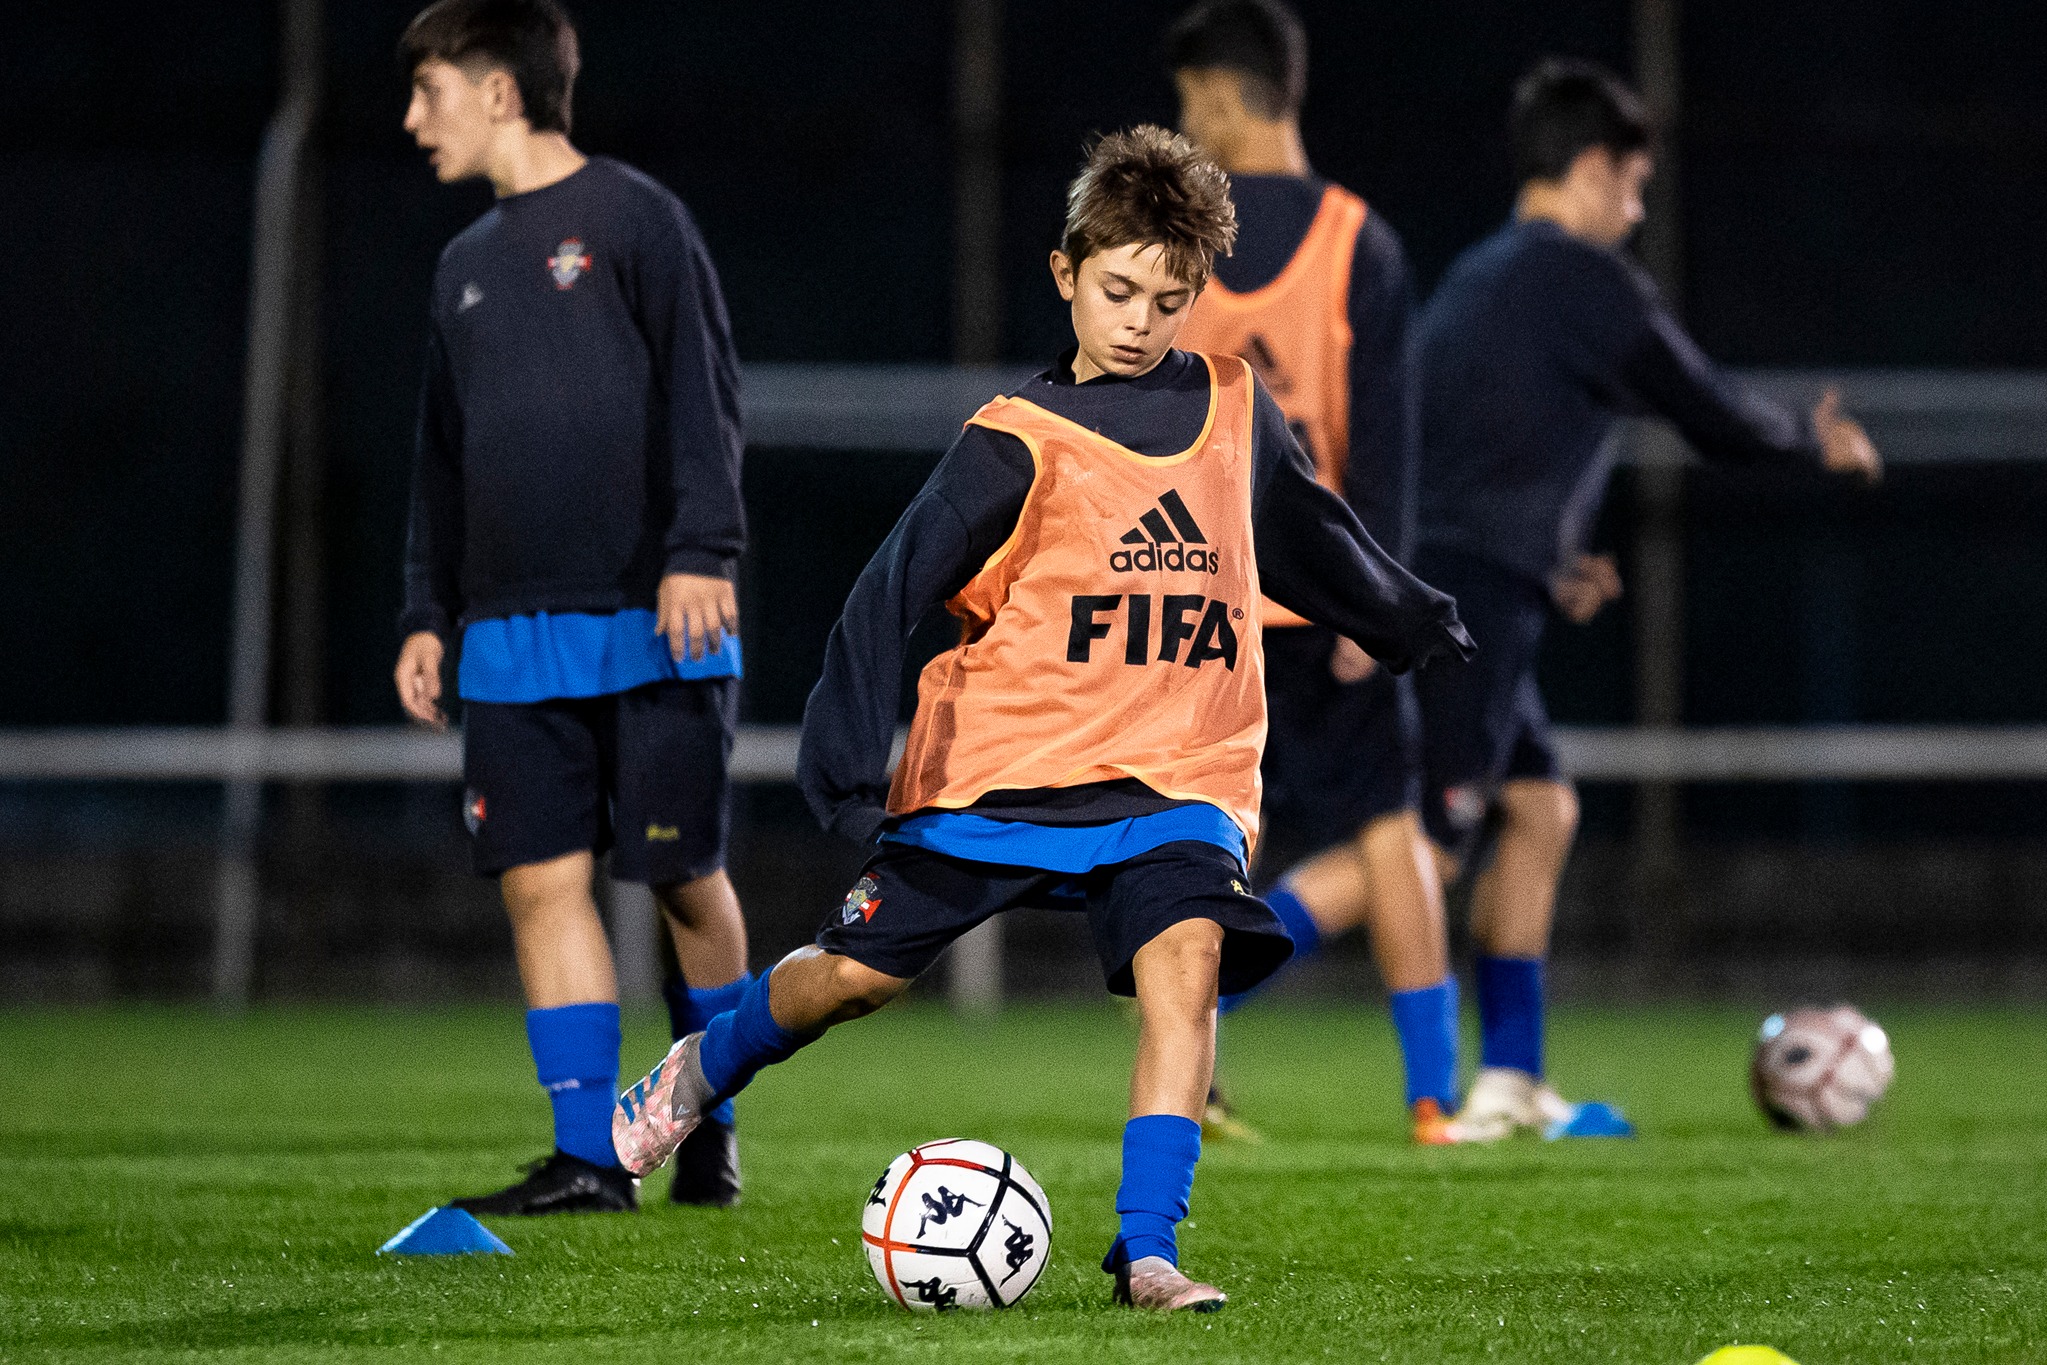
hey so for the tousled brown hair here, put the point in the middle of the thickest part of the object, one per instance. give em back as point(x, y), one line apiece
point(1147, 185)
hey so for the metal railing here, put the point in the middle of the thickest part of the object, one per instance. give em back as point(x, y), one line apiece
point(767, 753)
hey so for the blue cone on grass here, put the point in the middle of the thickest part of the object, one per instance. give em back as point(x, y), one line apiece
point(445, 1232)
point(1591, 1120)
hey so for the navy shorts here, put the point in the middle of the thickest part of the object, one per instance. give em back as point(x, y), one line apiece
point(1482, 723)
point(640, 773)
point(1337, 755)
point(910, 903)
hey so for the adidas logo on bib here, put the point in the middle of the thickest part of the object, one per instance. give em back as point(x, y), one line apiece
point(1165, 537)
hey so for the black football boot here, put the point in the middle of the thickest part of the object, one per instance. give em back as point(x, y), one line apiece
point(707, 1167)
point(560, 1183)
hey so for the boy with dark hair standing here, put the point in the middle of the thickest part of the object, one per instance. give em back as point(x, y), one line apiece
point(1317, 296)
point(1102, 537)
point(576, 522)
point(1537, 342)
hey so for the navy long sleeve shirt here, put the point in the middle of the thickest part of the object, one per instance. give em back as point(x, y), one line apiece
point(579, 430)
point(1533, 346)
point(1314, 558)
point(1274, 213)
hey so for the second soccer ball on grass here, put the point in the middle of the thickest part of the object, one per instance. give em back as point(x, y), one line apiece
point(1820, 1069)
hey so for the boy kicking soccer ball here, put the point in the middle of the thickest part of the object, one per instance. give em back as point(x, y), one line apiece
point(1103, 536)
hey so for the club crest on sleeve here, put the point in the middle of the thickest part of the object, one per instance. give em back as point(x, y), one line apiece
point(568, 263)
point(861, 902)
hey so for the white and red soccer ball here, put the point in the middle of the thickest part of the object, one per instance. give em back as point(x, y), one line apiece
point(1820, 1069)
point(956, 1224)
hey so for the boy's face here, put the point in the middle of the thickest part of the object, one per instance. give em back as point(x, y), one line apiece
point(1612, 187)
point(454, 115)
point(1127, 309)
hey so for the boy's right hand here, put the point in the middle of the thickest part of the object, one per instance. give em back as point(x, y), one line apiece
point(419, 678)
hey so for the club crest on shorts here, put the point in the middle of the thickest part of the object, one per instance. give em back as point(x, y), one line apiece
point(1464, 805)
point(568, 263)
point(473, 810)
point(861, 902)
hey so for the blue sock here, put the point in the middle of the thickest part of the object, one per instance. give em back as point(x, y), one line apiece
point(575, 1053)
point(691, 1010)
point(1510, 1012)
point(743, 1039)
point(1300, 926)
point(1426, 1020)
point(1159, 1152)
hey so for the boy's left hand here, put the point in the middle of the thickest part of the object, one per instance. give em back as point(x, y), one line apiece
point(1585, 585)
point(696, 612)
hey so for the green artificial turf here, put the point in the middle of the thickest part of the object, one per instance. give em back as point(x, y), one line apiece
point(175, 1186)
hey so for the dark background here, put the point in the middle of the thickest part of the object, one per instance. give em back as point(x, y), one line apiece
point(1860, 185)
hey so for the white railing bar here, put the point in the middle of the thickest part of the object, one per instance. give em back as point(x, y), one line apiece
point(767, 753)
point(1918, 416)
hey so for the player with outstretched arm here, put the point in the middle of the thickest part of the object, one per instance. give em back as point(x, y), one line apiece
point(1537, 342)
point(1102, 535)
point(575, 525)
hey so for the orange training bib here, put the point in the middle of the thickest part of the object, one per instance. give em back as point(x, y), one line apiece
point(1115, 634)
point(1295, 332)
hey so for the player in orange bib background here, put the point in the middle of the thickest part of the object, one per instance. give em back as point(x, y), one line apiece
point(1317, 298)
point(1102, 536)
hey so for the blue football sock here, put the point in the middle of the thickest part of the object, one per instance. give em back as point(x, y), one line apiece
point(1510, 1012)
point(691, 1011)
point(1300, 926)
point(1426, 1020)
point(575, 1054)
point(743, 1039)
point(1159, 1152)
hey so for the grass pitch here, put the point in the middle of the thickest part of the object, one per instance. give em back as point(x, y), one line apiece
point(175, 1186)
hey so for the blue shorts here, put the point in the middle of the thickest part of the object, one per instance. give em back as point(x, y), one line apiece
point(910, 903)
point(640, 773)
point(1483, 723)
point(1337, 755)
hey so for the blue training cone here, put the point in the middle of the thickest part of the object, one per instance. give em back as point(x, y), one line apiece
point(1590, 1120)
point(445, 1232)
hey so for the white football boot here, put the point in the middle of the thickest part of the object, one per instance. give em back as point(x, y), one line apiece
point(1504, 1100)
point(1501, 1100)
point(1155, 1283)
point(652, 1118)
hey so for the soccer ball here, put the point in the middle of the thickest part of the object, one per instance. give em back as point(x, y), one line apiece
point(1820, 1069)
point(956, 1224)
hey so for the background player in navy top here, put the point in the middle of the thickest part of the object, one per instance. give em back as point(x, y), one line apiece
point(1537, 341)
point(1340, 760)
point(576, 523)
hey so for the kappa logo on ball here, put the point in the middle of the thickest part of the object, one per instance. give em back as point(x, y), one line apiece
point(861, 902)
point(568, 263)
point(945, 1207)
